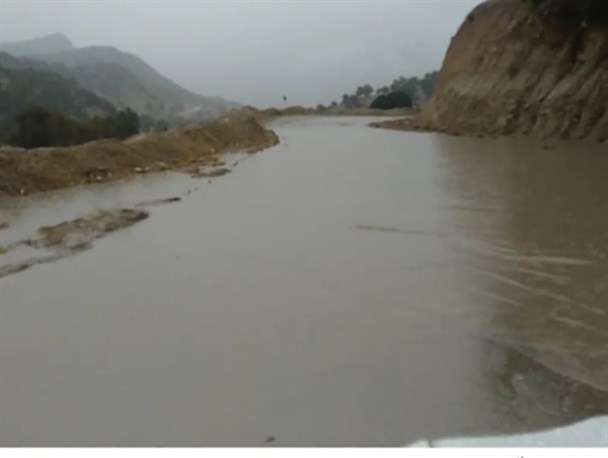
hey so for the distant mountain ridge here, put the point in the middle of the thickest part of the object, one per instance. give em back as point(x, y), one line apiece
point(48, 44)
point(120, 77)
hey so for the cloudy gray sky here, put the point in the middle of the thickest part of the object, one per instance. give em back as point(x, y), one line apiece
point(255, 51)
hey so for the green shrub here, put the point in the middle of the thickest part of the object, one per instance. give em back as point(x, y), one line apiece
point(392, 100)
point(39, 126)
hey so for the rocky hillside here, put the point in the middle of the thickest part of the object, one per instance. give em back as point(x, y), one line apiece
point(48, 44)
point(23, 86)
point(122, 78)
point(530, 66)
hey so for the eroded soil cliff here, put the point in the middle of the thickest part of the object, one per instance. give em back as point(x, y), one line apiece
point(512, 69)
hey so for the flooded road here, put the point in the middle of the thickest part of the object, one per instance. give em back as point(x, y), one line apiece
point(351, 286)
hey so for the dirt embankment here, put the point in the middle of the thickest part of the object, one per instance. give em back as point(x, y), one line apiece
point(43, 169)
point(513, 70)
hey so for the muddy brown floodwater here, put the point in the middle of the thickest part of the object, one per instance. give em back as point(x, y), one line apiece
point(351, 286)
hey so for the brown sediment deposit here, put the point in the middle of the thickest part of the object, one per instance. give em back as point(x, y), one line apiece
point(89, 228)
point(43, 169)
point(408, 123)
point(155, 202)
point(70, 237)
point(81, 231)
point(211, 173)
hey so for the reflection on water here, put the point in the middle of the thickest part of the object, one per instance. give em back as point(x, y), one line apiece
point(351, 286)
point(543, 263)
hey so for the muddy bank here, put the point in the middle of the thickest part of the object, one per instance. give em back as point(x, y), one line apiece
point(270, 114)
point(511, 70)
point(411, 123)
point(43, 169)
point(368, 112)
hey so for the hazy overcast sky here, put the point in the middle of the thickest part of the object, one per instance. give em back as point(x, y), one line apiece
point(253, 51)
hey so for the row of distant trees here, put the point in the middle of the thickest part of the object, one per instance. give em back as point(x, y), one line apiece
point(392, 100)
point(40, 126)
point(402, 92)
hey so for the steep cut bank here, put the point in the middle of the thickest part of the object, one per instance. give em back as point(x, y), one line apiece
point(44, 169)
point(514, 67)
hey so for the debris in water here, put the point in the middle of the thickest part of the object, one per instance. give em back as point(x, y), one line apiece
point(212, 173)
point(151, 203)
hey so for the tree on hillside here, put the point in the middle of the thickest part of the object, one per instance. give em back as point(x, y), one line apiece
point(161, 126)
point(418, 89)
point(352, 101)
point(409, 85)
point(40, 126)
point(23, 87)
point(146, 123)
point(594, 11)
point(428, 82)
point(122, 125)
point(127, 123)
point(392, 100)
point(365, 90)
point(37, 127)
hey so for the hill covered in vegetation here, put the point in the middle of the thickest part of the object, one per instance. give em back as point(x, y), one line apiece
point(42, 127)
point(401, 92)
point(122, 78)
point(23, 87)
